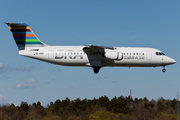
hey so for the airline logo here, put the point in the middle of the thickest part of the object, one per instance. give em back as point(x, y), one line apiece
point(24, 36)
point(68, 56)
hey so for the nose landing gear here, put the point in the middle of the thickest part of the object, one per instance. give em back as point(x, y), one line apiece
point(163, 70)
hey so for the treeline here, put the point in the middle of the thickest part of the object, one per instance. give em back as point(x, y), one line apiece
point(103, 108)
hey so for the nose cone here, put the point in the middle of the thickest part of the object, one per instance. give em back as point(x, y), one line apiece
point(173, 61)
point(169, 61)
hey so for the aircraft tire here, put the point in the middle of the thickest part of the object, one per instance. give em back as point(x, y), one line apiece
point(163, 70)
point(96, 70)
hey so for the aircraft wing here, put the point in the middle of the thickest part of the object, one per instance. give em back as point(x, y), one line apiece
point(97, 48)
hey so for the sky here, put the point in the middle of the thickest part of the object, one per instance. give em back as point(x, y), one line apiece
point(122, 23)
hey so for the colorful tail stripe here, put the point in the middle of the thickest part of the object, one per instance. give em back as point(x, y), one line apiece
point(24, 36)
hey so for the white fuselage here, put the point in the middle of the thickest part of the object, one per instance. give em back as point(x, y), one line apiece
point(89, 55)
point(76, 56)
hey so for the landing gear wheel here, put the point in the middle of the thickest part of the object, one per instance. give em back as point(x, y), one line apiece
point(96, 69)
point(163, 70)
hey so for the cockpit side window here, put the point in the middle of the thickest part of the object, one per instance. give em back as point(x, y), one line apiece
point(159, 53)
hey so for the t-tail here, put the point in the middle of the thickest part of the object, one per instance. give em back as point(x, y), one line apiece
point(24, 36)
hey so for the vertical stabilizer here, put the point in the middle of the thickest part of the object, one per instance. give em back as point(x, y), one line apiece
point(24, 36)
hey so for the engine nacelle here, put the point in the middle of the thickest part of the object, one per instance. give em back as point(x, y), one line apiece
point(114, 55)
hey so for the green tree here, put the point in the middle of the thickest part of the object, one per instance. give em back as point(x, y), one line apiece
point(24, 107)
point(32, 116)
point(173, 104)
point(52, 118)
point(160, 106)
point(74, 118)
point(4, 116)
point(146, 103)
point(103, 115)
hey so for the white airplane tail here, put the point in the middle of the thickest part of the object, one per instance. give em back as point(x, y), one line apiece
point(24, 36)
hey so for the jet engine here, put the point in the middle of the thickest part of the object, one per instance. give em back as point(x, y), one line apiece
point(114, 55)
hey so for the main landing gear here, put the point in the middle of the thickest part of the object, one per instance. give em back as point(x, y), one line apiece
point(96, 69)
point(163, 70)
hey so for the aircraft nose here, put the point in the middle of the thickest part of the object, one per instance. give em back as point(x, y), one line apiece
point(173, 61)
point(169, 60)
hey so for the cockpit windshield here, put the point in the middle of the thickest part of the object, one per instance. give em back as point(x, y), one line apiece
point(159, 53)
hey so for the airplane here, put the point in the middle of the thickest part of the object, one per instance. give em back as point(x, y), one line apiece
point(94, 56)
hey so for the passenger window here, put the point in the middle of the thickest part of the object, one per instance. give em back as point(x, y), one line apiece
point(136, 53)
point(129, 53)
point(133, 53)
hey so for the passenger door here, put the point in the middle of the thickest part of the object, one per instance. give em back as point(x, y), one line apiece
point(148, 55)
point(51, 54)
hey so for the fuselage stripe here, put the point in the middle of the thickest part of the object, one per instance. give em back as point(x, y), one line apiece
point(22, 32)
point(23, 35)
point(27, 40)
point(29, 43)
point(19, 30)
point(33, 43)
